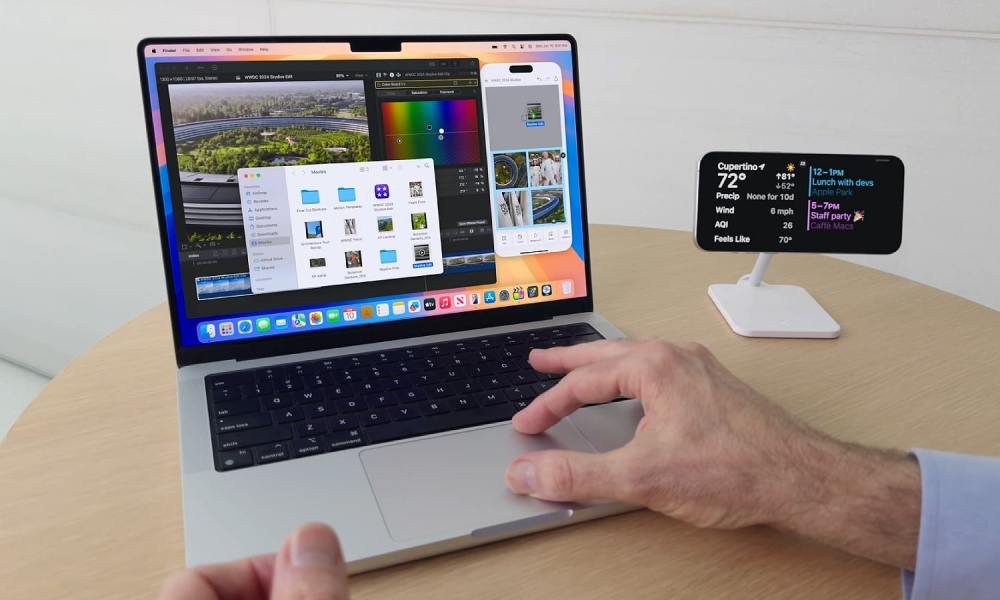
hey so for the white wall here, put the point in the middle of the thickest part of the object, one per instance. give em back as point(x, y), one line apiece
point(79, 252)
point(662, 83)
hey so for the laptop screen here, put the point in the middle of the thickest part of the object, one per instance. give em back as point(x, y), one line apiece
point(306, 187)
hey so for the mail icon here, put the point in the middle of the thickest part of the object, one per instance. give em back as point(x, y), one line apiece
point(387, 256)
point(346, 194)
point(310, 196)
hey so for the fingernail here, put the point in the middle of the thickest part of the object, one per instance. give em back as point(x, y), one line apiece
point(314, 546)
point(521, 477)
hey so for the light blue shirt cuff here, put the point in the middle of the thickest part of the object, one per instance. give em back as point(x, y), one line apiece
point(958, 555)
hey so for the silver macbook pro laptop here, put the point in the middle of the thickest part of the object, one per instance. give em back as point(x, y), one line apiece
point(363, 238)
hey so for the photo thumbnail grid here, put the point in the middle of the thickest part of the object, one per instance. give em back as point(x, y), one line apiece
point(529, 187)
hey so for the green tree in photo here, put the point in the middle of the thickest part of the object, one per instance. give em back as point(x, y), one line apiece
point(226, 152)
point(418, 221)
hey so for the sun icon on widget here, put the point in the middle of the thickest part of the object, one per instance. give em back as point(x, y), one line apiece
point(790, 167)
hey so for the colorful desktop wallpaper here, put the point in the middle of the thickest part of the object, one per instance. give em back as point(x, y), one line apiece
point(445, 130)
point(563, 270)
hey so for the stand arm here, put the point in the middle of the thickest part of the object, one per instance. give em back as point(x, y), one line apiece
point(757, 275)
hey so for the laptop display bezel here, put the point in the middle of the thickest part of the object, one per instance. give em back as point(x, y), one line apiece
point(361, 334)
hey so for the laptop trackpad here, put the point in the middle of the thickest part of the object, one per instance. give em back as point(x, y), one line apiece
point(455, 483)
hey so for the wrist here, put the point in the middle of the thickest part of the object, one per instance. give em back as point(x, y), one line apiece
point(861, 500)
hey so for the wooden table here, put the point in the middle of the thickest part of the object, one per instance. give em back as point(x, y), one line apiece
point(90, 502)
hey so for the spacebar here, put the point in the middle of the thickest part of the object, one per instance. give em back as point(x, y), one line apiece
point(437, 423)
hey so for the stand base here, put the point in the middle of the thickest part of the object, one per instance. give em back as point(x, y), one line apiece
point(777, 311)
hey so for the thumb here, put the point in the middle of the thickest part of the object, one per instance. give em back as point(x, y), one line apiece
point(310, 566)
point(562, 475)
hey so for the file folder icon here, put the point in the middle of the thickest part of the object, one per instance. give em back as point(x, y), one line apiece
point(310, 196)
point(387, 256)
point(345, 194)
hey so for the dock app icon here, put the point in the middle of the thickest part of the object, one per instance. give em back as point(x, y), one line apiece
point(207, 330)
point(310, 196)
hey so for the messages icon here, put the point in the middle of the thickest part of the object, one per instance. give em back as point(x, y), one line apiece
point(346, 194)
point(310, 196)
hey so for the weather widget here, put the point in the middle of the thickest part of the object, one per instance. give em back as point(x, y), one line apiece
point(782, 202)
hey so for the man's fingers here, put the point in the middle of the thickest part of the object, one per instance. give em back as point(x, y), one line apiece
point(595, 383)
point(247, 579)
point(563, 359)
point(642, 424)
point(310, 566)
point(564, 475)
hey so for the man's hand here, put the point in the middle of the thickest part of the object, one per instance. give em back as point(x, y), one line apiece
point(713, 452)
point(309, 566)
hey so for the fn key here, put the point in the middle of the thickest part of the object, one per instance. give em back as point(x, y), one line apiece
point(234, 460)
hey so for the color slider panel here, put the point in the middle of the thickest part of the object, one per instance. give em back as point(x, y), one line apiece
point(445, 130)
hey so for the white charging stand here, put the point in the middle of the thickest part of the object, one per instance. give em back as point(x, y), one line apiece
point(757, 309)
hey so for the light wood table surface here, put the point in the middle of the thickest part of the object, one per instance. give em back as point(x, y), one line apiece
point(90, 502)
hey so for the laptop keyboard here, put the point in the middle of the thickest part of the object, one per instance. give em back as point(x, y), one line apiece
point(276, 413)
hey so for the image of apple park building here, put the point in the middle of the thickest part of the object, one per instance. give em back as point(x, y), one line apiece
point(212, 199)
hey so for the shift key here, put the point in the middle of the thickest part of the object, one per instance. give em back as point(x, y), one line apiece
point(254, 437)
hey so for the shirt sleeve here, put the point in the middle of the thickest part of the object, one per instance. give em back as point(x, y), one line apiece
point(958, 555)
